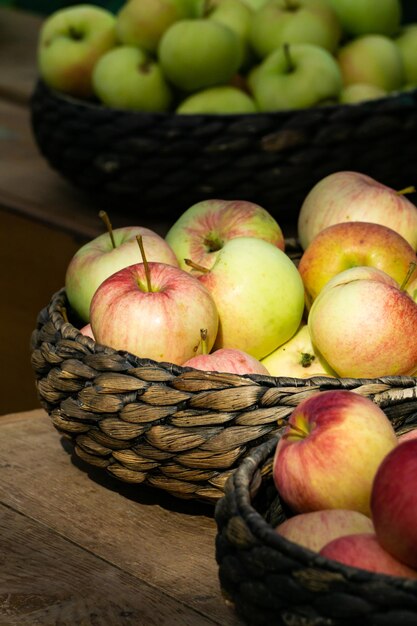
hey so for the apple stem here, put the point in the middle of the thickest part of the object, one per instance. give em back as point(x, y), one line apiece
point(406, 190)
point(107, 223)
point(145, 262)
point(196, 266)
point(203, 335)
point(290, 64)
point(410, 272)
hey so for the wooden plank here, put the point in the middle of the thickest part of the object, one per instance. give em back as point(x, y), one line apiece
point(19, 36)
point(47, 580)
point(167, 543)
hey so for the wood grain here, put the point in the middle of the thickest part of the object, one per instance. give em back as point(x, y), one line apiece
point(161, 542)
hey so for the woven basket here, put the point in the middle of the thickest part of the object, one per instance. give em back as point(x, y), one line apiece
point(173, 428)
point(160, 164)
point(272, 581)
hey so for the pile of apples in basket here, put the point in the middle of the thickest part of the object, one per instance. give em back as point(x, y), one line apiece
point(220, 293)
point(229, 56)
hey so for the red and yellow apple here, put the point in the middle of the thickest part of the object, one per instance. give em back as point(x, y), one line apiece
point(228, 360)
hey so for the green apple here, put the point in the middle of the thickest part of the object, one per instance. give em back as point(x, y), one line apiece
point(295, 77)
point(204, 228)
point(143, 22)
point(407, 43)
point(258, 293)
point(70, 42)
point(255, 4)
point(297, 358)
point(199, 53)
point(361, 92)
point(223, 99)
point(363, 17)
point(280, 22)
point(127, 78)
point(372, 59)
point(238, 17)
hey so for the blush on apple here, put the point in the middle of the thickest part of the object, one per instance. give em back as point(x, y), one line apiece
point(394, 503)
point(364, 551)
point(315, 529)
point(330, 451)
point(227, 360)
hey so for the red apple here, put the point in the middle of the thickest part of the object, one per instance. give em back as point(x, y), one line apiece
point(227, 360)
point(330, 451)
point(315, 529)
point(394, 503)
point(158, 316)
point(410, 434)
point(364, 551)
point(203, 229)
point(87, 331)
point(348, 244)
point(362, 328)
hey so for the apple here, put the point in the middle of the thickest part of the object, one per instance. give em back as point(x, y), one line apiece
point(154, 311)
point(228, 360)
point(362, 17)
point(394, 503)
point(364, 552)
point(205, 227)
point(127, 78)
point(297, 358)
point(361, 92)
point(199, 53)
point(349, 244)
point(372, 59)
point(142, 23)
point(238, 17)
point(87, 331)
point(316, 529)
point(70, 42)
point(280, 22)
point(295, 77)
point(222, 99)
point(406, 436)
point(362, 328)
point(349, 196)
point(258, 293)
point(407, 44)
point(330, 451)
point(106, 254)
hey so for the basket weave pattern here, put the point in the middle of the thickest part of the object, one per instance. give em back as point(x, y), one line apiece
point(174, 428)
point(163, 163)
point(274, 582)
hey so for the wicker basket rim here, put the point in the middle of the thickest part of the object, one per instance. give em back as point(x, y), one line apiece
point(264, 532)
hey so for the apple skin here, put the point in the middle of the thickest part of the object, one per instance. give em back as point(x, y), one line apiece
point(223, 99)
point(349, 196)
point(70, 43)
point(372, 59)
point(142, 23)
point(97, 260)
point(238, 17)
point(361, 92)
point(410, 434)
point(346, 244)
point(87, 331)
point(394, 503)
point(199, 53)
point(297, 358)
point(362, 17)
point(127, 78)
point(407, 44)
point(332, 465)
point(163, 324)
point(364, 552)
point(362, 329)
point(280, 22)
point(258, 293)
point(316, 529)
point(227, 360)
point(312, 76)
point(204, 228)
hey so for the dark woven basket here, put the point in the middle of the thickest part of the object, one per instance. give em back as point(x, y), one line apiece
point(272, 581)
point(160, 164)
point(173, 428)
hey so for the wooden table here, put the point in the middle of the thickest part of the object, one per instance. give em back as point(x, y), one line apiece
point(78, 549)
